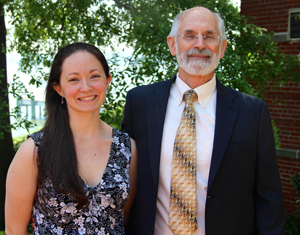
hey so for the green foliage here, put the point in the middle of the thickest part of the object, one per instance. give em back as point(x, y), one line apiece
point(41, 27)
point(250, 54)
point(276, 135)
point(295, 180)
point(4, 126)
point(133, 34)
point(17, 141)
point(293, 221)
point(292, 225)
point(17, 89)
point(30, 229)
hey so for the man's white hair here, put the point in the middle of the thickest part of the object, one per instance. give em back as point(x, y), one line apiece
point(176, 23)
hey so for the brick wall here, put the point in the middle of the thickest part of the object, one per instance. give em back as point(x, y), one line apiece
point(288, 167)
point(273, 15)
point(286, 113)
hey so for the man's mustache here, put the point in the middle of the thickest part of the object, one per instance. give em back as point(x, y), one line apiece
point(195, 51)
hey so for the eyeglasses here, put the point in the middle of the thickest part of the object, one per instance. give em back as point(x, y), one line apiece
point(208, 39)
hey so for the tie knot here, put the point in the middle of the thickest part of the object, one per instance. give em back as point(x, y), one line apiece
point(190, 95)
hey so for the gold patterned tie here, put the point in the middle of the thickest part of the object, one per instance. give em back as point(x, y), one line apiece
point(183, 207)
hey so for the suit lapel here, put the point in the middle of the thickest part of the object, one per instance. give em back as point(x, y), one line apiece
point(226, 114)
point(156, 110)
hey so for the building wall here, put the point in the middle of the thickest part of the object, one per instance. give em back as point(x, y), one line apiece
point(286, 114)
point(288, 167)
point(273, 15)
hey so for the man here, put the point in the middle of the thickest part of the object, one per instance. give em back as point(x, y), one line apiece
point(237, 180)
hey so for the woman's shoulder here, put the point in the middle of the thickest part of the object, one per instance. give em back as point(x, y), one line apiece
point(119, 133)
point(36, 137)
point(121, 138)
point(25, 157)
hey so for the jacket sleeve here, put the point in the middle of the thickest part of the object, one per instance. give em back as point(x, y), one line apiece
point(268, 196)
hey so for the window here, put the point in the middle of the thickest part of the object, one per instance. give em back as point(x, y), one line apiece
point(294, 25)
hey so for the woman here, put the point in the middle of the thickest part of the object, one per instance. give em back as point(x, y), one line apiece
point(73, 175)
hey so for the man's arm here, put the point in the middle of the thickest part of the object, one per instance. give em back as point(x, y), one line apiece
point(268, 196)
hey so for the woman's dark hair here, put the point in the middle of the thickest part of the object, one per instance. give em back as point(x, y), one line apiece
point(57, 159)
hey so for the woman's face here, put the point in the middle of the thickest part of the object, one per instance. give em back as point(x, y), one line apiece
point(83, 83)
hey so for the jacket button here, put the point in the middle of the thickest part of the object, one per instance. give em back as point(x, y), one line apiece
point(150, 232)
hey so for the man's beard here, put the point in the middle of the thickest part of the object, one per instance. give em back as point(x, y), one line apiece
point(198, 66)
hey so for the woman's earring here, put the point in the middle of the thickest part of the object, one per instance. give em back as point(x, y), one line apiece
point(62, 100)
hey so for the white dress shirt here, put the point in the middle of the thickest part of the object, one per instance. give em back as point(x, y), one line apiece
point(205, 109)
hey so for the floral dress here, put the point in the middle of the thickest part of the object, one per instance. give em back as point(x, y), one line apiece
point(56, 212)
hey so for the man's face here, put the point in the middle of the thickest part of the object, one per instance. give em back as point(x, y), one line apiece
point(198, 66)
point(198, 57)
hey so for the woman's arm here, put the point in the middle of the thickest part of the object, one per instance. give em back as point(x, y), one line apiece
point(133, 180)
point(21, 183)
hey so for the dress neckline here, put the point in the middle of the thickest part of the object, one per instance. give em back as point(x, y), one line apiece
point(105, 170)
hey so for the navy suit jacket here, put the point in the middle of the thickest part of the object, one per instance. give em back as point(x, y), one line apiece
point(244, 194)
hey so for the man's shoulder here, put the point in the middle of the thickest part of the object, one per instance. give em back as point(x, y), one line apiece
point(246, 98)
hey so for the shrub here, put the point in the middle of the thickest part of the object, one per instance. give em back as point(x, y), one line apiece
point(292, 225)
point(19, 140)
point(295, 180)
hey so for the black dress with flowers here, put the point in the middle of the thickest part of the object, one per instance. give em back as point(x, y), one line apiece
point(56, 212)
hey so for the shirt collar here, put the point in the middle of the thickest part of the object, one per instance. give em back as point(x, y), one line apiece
point(204, 91)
